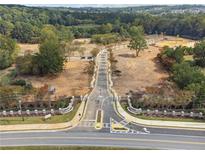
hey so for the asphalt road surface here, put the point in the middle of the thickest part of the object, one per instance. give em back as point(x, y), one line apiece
point(149, 141)
point(85, 133)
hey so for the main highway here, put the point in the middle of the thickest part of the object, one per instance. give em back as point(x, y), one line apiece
point(85, 134)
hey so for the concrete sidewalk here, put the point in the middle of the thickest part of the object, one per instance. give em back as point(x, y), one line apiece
point(66, 125)
point(160, 123)
point(151, 123)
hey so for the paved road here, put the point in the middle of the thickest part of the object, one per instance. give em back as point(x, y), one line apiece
point(150, 141)
point(100, 97)
point(86, 134)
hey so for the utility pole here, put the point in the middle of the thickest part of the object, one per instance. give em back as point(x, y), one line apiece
point(21, 110)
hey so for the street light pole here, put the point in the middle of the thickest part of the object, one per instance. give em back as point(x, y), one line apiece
point(21, 110)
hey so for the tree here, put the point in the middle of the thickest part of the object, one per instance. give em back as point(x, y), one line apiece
point(24, 32)
point(184, 75)
point(170, 56)
point(105, 39)
point(24, 64)
point(48, 32)
point(200, 97)
point(50, 59)
point(94, 52)
point(8, 51)
point(106, 28)
point(65, 34)
point(199, 53)
point(137, 42)
point(6, 27)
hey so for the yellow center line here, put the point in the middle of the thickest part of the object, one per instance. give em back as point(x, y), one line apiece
point(107, 138)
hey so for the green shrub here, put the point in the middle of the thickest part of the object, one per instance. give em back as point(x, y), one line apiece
point(8, 51)
point(62, 104)
point(170, 56)
point(199, 53)
point(19, 82)
point(24, 64)
point(105, 39)
point(184, 75)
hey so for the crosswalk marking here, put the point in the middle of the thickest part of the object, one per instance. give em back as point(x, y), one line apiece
point(107, 125)
point(92, 124)
point(131, 131)
point(124, 122)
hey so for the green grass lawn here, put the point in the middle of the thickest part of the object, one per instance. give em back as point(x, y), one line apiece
point(145, 117)
point(39, 120)
point(169, 118)
point(65, 148)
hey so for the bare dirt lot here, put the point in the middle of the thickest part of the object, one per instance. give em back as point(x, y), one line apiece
point(72, 81)
point(137, 73)
point(172, 41)
point(84, 42)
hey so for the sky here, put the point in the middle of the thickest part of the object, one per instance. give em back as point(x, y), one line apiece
point(139, 2)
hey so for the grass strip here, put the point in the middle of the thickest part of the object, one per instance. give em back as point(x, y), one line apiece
point(40, 119)
point(64, 148)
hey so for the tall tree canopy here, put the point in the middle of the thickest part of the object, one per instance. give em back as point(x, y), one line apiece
point(50, 59)
point(89, 21)
point(137, 41)
point(25, 32)
point(8, 51)
point(199, 53)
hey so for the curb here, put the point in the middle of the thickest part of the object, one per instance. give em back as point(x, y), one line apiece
point(65, 125)
point(116, 106)
point(154, 125)
point(84, 102)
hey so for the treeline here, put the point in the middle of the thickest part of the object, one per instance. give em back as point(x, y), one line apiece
point(25, 23)
point(185, 88)
point(153, 9)
point(8, 51)
point(187, 74)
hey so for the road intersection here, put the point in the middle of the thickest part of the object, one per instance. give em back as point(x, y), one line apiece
point(135, 136)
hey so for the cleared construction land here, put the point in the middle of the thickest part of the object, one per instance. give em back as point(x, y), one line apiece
point(73, 81)
point(137, 73)
point(84, 43)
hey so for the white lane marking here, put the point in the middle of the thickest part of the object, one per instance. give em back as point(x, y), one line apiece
point(47, 131)
point(107, 125)
point(124, 122)
point(88, 121)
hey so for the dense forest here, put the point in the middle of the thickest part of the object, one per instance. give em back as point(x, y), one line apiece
point(24, 23)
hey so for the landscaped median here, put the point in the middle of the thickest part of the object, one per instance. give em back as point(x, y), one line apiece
point(160, 123)
point(99, 119)
point(65, 121)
